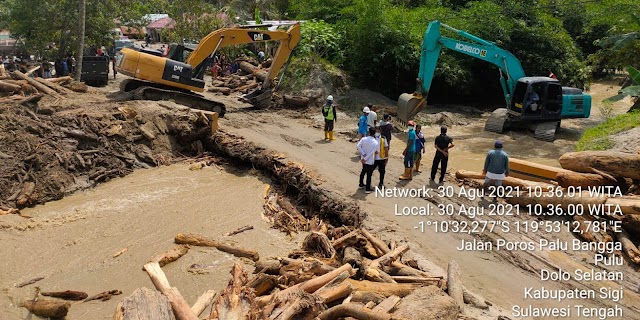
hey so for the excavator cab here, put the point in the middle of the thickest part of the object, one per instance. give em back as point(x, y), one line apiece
point(537, 98)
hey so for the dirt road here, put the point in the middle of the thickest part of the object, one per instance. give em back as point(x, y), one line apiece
point(300, 136)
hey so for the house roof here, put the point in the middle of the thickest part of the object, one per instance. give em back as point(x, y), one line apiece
point(163, 23)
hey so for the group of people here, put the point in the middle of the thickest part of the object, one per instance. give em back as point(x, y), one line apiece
point(375, 142)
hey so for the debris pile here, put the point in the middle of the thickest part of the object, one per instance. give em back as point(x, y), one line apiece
point(22, 88)
point(49, 149)
point(249, 77)
point(338, 273)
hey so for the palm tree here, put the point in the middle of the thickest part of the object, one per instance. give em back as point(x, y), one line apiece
point(81, 27)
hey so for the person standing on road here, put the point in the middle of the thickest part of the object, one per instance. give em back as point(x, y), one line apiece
point(363, 122)
point(442, 144)
point(386, 127)
point(408, 152)
point(372, 117)
point(382, 156)
point(330, 117)
point(496, 165)
point(368, 147)
point(417, 157)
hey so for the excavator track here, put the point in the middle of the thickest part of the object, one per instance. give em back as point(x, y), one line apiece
point(146, 91)
point(497, 121)
point(546, 131)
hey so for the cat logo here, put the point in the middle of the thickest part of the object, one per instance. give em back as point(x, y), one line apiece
point(177, 68)
point(258, 37)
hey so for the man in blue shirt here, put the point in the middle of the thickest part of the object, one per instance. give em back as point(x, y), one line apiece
point(363, 125)
point(408, 152)
point(496, 165)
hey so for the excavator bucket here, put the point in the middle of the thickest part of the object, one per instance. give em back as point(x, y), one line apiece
point(409, 105)
point(260, 98)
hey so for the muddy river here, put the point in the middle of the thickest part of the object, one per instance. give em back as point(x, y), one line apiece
point(72, 242)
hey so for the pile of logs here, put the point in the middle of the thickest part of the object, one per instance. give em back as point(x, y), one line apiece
point(338, 273)
point(22, 88)
point(588, 171)
point(250, 77)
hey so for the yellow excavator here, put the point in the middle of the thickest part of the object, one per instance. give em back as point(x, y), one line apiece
point(180, 75)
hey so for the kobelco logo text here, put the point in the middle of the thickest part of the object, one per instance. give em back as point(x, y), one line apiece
point(470, 49)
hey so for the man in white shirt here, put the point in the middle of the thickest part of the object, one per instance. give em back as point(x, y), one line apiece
point(368, 147)
point(372, 117)
point(382, 156)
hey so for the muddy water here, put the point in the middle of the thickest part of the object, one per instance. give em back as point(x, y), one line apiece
point(71, 242)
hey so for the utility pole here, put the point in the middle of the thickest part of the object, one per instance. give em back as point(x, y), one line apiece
point(81, 27)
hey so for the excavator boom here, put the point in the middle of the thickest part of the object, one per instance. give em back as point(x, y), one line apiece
point(159, 78)
point(510, 68)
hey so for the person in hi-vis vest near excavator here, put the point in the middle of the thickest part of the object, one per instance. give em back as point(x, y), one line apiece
point(330, 117)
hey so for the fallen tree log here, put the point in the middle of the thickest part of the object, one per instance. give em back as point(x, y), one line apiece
point(309, 286)
point(180, 307)
point(47, 308)
point(508, 181)
point(618, 163)
point(9, 87)
point(454, 283)
point(239, 230)
point(60, 79)
point(317, 243)
point(386, 289)
point(249, 68)
point(236, 300)
point(628, 247)
point(144, 303)
point(203, 302)
point(352, 310)
point(262, 283)
point(577, 179)
point(197, 240)
point(41, 87)
point(387, 304)
point(170, 256)
point(295, 101)
point(67, 295)
point(58, 88)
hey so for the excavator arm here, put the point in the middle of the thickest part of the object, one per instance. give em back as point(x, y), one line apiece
point(233, 36)
point(510, 68)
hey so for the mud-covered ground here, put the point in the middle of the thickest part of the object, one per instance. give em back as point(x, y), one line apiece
point(71, 242)
point(57, 147)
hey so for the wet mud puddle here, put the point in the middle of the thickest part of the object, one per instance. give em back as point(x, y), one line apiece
point(72, 242)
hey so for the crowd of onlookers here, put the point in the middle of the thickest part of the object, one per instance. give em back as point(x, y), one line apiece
point(375, 143)
point(60, 67)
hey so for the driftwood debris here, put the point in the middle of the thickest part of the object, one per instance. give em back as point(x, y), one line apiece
point(67, 295)
point(257, 72)
point(180, 307)
point(47, 308)
point(104, 296)
point(26, 283)
point(197, 240)
point(239, 230)
point(235, 300)
point(170, 256)
point(454, 283)
point(144, 303)
point(622, 164)
point(41, 87)
point(203, 302)
point(9, 87)
point(352, 310)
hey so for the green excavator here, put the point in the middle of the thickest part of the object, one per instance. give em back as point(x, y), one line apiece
point(537, 103)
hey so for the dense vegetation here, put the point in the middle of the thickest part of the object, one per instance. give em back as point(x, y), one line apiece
point(597, 138)
point(378, 41)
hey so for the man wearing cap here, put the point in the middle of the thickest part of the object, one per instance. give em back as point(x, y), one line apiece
point(372, 117)
point(330, 117)
point(408, 152)
point(363, 125)
point(367, 147)
point(496, 165)
point(441, 158)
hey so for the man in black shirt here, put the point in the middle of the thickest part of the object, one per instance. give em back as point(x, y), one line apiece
point(442, 144)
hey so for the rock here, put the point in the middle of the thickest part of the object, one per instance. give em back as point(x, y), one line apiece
point(427, 303)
